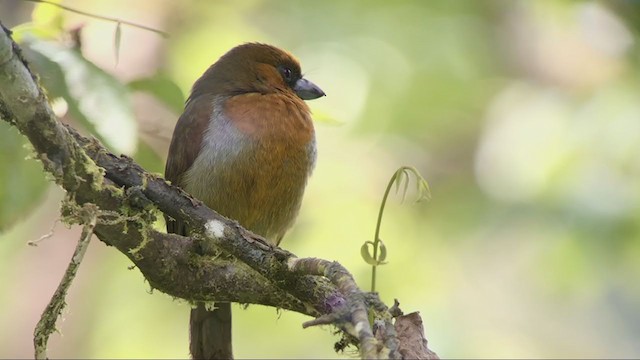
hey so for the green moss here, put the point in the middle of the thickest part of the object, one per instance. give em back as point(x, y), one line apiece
point(144, 224)
point(70, 210)
point(95, 173)
point(115, 191)
point(145, 240)
point(145, 180)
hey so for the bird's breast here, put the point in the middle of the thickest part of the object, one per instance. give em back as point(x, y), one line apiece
point(256, 156)
point(271, 117)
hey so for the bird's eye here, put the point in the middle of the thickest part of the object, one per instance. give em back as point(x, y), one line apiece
point(287, 74)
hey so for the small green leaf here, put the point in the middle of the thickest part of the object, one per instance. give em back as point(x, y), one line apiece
point(424, 193)
point(383, 253)
point(368, 258)
point(48, 16)
point(366, 255)
point(422, 187)
point(162, 88)
point(400, 174)
point(406, 186)
point(116, 41)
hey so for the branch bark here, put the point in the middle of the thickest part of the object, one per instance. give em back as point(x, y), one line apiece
point(219, 261)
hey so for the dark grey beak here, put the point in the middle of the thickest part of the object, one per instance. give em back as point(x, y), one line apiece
point(307, 90)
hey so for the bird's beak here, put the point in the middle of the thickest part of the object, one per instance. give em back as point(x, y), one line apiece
point(307, 90)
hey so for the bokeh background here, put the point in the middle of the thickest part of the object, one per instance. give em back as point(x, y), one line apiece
point(524, 116)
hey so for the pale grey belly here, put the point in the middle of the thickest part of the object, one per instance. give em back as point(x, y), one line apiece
point(261, 192)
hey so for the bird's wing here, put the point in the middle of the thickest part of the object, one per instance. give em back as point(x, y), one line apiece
point(185, 146)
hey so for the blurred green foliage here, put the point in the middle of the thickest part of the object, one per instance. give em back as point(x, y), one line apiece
point(23, 182)
point(522, 115)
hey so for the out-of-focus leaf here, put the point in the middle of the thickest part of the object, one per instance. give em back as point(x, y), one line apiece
point(22, 31)
point(95, 98)
point(47, 16)
point(148, 158)
point(116, 40)
point(47, 22)
point(163, 89)
point(22, 181)
point(326, 118)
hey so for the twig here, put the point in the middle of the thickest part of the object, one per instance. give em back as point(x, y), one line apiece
point(47, 324)
point(102, 17)
point(357, 309)
point(45, 236)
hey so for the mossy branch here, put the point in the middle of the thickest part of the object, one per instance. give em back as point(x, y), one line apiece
point(128, 199)
point(47, 324)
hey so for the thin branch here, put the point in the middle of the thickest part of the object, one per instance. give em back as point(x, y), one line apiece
point(102, 17)
point(47, 324)
point(357, 310)
point(45, 236)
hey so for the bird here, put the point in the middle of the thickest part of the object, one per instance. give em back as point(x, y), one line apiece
point(245, 146)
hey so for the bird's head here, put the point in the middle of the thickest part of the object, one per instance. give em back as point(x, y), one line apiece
point(255, 68)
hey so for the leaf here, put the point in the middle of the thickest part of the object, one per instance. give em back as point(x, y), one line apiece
point(326, 118)
point(400, 175)
point(47, 22)
point(23, 182)
point(406, 186)
point(48, 16)
point(424, 193)
point(95, 98)
point(163, 89)
point(116, 41)
point(148, 158)
point(366, 256)
point(24, 30)
point(403, 174)
point(383, 252)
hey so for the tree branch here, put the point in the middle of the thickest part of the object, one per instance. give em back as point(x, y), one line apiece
point(219, 261)
point(340, 277)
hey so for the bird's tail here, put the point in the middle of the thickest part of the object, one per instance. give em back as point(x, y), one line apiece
point(210, 332)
